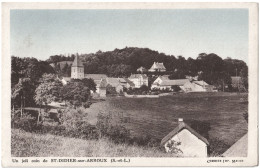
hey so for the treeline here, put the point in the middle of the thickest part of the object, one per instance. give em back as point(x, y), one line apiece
point(122, 62)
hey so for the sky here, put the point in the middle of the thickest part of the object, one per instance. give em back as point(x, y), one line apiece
point(185, 32)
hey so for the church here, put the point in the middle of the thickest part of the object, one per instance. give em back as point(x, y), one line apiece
point(77, 72)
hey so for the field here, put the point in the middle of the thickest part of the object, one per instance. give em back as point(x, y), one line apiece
point(156, 117)
point(25, 144)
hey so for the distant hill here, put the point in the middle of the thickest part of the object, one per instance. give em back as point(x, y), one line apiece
point(122, 62)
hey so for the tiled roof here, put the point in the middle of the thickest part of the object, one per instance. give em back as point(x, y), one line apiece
point(178, 82)
point(182, 125)
point(201, 83)
point(96, 76)
point(113, 81)
point(129, 82)
point(133, 76)
point(77, 62)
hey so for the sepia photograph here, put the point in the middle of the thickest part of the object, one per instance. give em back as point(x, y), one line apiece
point(119, 82)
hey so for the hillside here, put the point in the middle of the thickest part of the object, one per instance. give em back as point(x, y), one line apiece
point(122, 62)
point(25, 144)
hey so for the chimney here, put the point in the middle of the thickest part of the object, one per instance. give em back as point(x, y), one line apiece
point(180, 120)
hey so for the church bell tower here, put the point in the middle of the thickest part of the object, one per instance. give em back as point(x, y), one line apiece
point(77, 69)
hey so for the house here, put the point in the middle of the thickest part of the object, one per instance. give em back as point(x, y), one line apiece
point(236, 81)
point(163, 83)
point(116, 83)
point(157, 67)
point(238, 149)
point(97, 79)
point(197, 86)
point(129, 84)
point(102, 88)
point(186, 140)
point(139, 80)
point(160, 79)
point(141, 69)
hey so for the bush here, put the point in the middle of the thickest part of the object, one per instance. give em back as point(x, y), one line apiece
point(25, 122)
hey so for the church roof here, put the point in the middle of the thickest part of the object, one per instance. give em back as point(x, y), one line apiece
point(182, 125)
point(77, 62)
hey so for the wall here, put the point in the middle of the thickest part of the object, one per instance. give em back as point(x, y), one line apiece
point(191, 146)
point(77, 72)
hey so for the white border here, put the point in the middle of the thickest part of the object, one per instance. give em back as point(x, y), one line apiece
point(251, 160)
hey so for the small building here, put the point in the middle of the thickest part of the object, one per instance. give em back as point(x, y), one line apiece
point(157, 67)
point(97, 79)
point(186, 140)
point(161, 83)
point(238, 149)
point(236, 81)
point(139, 80)
point(116, 83)
point(141, 69)
point(196, 86)
point(102, 88)
point(129, 84)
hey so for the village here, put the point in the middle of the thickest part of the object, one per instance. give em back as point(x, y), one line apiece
point(111, 85)
point(183, 140)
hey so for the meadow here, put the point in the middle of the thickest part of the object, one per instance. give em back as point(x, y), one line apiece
point(26, 144)
point(156, 117)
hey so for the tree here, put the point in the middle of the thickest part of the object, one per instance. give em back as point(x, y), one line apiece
point(48, 90)
point(22, 93)
point(76, 92)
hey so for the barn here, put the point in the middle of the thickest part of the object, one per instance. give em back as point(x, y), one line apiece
point(186, 140)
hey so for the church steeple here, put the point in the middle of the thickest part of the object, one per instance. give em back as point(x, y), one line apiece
point(77, 68)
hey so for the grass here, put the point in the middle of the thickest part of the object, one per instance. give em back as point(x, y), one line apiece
point(156, 117)
point(25, 144)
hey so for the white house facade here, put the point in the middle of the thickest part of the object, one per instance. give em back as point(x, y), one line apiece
point(139, 80)
point(188, 142)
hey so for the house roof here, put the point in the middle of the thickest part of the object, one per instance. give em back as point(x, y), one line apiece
point(201, 83)
point(53, 110)
point(157, 65)
point(178, 82)
point(114, 82)
point(96, 76)
point(164, 77)
point(133, 76)
point(238, 149)
point(182, 125)
point(129, 82)
point(77, 62)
